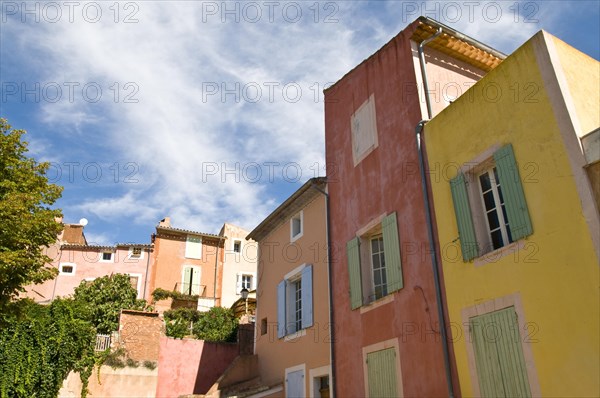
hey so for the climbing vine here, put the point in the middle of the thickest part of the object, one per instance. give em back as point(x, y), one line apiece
point(38, 350)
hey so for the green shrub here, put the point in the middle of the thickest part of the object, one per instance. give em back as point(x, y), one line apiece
point(217, 325)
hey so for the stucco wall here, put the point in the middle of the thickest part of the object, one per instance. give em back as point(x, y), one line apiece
point(123, 383)
point(386, 181)
point(553, 273)
point(278, 257)
point(234, 263)
point(191, 366)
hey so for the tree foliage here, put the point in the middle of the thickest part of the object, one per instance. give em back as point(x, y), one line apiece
point(38, 351)
point(217, 325)
point(179, 322)
point(27, 222)
point(100, 301)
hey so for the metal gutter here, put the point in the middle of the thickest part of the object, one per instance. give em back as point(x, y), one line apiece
point(430, 233)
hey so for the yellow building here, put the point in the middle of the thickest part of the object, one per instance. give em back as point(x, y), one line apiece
point(511, 166)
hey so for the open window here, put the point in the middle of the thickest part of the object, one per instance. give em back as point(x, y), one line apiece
point(489, 204)
point(295, 302)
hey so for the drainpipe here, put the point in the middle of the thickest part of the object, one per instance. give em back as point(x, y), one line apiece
point(430, 234)
point(147, 267)
point(331, 328)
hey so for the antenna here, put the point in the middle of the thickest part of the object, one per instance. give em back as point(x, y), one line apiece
point(83, 222)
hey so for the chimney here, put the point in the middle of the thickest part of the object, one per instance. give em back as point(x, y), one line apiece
point(165, 222)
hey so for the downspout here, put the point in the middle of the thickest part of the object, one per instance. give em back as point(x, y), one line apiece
point(147, 267)
point(216, 265)
point(430, 234)
point(331, 328)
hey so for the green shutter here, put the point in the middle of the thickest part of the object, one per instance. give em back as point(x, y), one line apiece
point(353, 253)
point(512, 191)
point(464, 219)
point(187, 276)
point(381, 371)
point(499, 356)
point(391, 247)
point(195, 284)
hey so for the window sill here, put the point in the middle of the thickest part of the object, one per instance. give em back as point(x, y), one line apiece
point(495, 255)
point(377, 303)
point(295, 335)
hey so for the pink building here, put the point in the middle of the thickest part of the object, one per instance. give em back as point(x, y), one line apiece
point(78, 261)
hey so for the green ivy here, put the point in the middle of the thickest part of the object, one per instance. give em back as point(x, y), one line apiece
point(162, 294)
point(217, 325)
point(38, 351)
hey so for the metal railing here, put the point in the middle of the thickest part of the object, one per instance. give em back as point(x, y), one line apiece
point(102, 342)
point(193, 290)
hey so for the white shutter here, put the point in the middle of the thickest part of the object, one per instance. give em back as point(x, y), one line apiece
point(281, 320)
point(193, 247)
point(238, 283)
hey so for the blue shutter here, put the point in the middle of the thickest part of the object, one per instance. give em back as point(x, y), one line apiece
point(281, 321)
point(353, 254)
point(391, 248)
point(514, 198)
point(464, 219)
point(307, 297)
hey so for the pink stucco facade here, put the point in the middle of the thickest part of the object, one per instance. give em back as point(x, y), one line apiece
point(191, 366)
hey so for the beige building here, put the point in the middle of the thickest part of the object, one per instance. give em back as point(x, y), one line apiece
point(293, 329)
point(239, 264)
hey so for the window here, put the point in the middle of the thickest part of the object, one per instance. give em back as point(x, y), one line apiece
point(190, 280)
point(106, 257)
point(263, 326)
point(295, 384)
point(135, 281)
point(193, 247)
point(492, 211)
point(237, 246)
point(496, 335)
point(67, 269)
point(381, 373)
point(245, 281)
point(363, 124)
point(295, 302)
point(136, 253)
point(374, 262)
point(297, 226)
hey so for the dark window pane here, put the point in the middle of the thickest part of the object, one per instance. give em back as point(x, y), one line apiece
point(484, 180)
point(497, 239)
point(488, 198)
point(493, 219)
point(500, 194)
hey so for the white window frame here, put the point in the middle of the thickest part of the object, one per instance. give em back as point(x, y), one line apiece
point(101, 257)
point(504, 230)
point(233, 246)
point(290, 305)
point(293, 369)
point(61, 272)
point(238, 281)
point(139, 282)
point(372, 230)
point(315, 374)
point(130, 255)
point(297, 216)
point(189, 240)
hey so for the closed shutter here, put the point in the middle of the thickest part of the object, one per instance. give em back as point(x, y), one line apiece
point(187, 276)
point(353, 253)
point(499, 356)
point(295, 385)
point(193, 247)
point(381, 371)
point(307, 297)
point(238, 283)
point(391, 247)
point(464, 219)
point(512, 191)
point(281, 321)
point(195, 281)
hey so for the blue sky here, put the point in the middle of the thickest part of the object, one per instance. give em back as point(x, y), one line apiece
point(209, 112)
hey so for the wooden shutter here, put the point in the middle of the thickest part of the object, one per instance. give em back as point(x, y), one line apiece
point(499, 356)
point(281, 310)
point(464, 219)
point(307, 297)
point(391, 247)
point(381, 371)
point(512, 191)
point(353, 253)
point(195, 285)
point(295, 385)
point(187, 276)
point(193, 247)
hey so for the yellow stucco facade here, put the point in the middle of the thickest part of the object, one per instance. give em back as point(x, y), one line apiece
point(539, 100)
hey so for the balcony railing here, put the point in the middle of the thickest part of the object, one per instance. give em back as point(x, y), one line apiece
point(192, 290)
